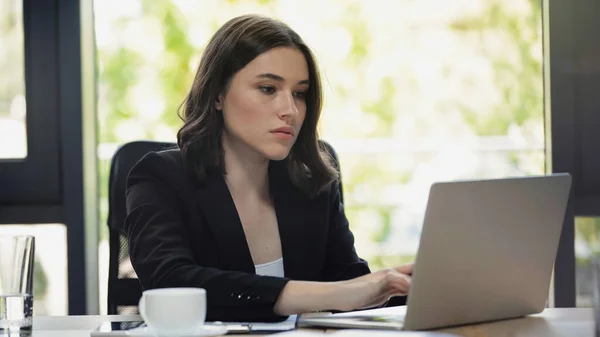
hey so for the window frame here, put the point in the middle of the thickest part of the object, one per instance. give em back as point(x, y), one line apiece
point(573, 131)
point(35, 179)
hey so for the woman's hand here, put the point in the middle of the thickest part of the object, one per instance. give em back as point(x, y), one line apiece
point(374, 289)
point(363, 292)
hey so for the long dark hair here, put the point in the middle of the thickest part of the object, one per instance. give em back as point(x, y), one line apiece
point(233, 46)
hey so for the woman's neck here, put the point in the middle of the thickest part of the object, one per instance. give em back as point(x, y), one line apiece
point(247, 171)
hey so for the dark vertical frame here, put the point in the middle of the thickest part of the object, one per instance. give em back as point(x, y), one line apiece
point(573, 107)
point(78, 150)
point(558, 92)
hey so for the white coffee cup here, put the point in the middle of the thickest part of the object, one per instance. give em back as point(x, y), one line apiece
point(174, 311)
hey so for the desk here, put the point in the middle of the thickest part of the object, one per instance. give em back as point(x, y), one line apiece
point(550, 323)
point(73, 326)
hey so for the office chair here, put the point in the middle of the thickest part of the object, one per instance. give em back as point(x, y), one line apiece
point(124, 289)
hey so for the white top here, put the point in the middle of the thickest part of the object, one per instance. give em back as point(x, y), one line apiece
point(273, 268)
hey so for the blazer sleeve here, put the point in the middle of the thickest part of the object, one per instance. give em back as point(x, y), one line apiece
point(341, 262)
point(161, 253)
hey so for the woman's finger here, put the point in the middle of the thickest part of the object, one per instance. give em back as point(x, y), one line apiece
point(406, 269)
point(397, 281)
point(402, 286)
point(393, 293)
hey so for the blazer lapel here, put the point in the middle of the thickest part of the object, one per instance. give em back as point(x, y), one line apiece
point(295, 215)
point(222, 218)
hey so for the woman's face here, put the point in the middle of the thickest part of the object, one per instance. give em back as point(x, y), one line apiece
point(264, 106)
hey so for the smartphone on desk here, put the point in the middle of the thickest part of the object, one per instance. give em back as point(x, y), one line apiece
point(113, 329)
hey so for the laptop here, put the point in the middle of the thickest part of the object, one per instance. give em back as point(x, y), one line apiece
point(486, 253)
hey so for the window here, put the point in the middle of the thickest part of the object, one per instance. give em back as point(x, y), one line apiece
point(43, 155)
point(412, 95)
point(12, 82)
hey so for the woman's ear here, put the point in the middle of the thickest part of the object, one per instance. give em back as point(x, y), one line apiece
point(219, 102)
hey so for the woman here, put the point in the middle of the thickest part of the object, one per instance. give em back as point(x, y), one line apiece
point(248, 207)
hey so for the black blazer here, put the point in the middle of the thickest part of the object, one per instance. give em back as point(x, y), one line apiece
point(183, 233)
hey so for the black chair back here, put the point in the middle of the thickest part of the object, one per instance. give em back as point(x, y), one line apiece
point(124, 289)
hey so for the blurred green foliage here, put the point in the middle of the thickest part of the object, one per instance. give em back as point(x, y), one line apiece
point(520, 84)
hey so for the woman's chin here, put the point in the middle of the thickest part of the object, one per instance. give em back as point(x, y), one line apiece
point(277, 157)
point(277, 153)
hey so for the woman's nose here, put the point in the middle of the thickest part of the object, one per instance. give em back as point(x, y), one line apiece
point(288, 107)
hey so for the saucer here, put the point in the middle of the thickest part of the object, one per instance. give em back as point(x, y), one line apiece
point(206, 331)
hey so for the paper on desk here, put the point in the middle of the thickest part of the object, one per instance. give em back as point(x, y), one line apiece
point(375, 319)
point(288, 324)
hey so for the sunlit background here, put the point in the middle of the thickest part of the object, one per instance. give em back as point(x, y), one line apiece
point(415, 92)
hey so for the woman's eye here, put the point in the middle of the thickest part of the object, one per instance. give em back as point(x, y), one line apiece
point(267, 89)
point(300, 94)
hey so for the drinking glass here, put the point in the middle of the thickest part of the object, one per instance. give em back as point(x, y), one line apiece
point(16, 281)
